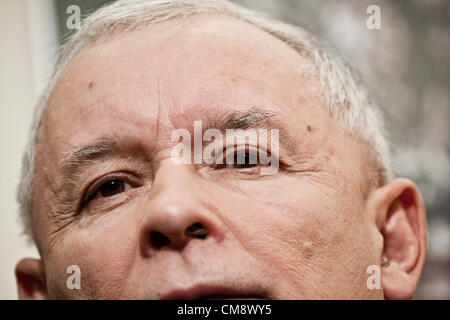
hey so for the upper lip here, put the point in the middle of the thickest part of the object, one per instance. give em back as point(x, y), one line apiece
point(206, 291)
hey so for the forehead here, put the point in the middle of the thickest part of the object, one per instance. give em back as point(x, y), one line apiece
point(171, 71)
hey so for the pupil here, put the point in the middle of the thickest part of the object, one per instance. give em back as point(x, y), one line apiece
point(111, 188)
point(243, 161)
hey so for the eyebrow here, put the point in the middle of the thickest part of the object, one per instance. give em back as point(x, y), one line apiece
point(253, 118)
point(110, 145)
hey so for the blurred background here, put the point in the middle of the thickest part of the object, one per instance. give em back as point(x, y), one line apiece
point(405, 63)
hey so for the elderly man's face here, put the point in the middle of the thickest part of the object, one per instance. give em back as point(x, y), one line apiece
point(139, 225)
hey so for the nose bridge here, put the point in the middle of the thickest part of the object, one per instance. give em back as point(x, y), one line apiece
point(174, 179)
point(176, 211)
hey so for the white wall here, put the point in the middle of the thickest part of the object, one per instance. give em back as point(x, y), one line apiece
point(27, 41)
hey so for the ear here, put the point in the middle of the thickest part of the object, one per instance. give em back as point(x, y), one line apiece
point(30, 277)
point(401, 220)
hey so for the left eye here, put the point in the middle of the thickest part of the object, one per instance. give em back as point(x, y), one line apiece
point(244, 160)
point(239, 160)
point(112, 187)
point(109, 188)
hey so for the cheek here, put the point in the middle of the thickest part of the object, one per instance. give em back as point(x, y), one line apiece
point(274, 222)
point(307, 236)
point(105, 251)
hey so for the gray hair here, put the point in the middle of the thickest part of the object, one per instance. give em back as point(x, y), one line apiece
point(346, 96)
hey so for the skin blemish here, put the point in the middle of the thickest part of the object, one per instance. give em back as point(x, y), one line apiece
point(309, 128)
point(91, 85)
point(307, 249)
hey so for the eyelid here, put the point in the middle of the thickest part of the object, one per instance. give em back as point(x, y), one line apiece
point(248, 149)
point(93, 187)
point(234, 150)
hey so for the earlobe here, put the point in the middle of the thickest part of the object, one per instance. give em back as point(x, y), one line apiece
point(402, 223)
point(30, 277)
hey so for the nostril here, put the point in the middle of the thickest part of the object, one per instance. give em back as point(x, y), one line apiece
point(196, 230)
point(159, 240)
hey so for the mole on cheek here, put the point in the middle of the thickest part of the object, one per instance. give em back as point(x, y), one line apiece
point(309, 128)
point(91, 85)
point(307, 249)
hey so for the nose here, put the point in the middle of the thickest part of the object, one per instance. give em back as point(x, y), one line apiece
point(177, 212)
point(175, 226)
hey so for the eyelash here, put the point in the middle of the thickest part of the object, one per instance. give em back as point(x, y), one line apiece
point(235, 152)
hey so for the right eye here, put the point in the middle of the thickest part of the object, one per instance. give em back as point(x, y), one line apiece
point(108, 189)
point(111, 188)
